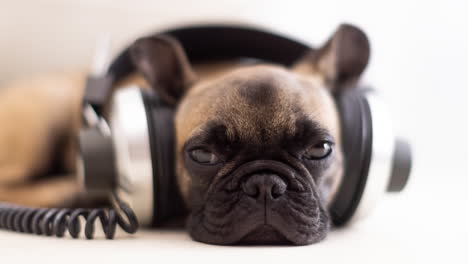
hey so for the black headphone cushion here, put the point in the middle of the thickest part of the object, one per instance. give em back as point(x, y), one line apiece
point(356, 133)
point(160, 117)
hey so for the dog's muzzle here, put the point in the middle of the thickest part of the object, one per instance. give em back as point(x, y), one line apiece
point(261, 202)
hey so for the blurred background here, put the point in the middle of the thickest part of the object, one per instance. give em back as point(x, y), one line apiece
point(419, 62)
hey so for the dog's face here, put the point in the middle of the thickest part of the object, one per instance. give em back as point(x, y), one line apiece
point(258, 147)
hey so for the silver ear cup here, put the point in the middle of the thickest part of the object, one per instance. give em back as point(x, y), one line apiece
point(401, 166)
point(374, 162)
point(130, 137)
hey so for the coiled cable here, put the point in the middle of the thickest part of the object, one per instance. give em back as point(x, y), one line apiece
point(56, 221)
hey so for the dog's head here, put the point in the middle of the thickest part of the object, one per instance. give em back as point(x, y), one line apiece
point(258, 146)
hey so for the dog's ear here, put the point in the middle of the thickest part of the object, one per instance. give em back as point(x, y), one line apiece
point(165, 66)
point(340, 61)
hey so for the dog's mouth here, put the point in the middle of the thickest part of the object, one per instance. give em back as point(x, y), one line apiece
point(263, 202)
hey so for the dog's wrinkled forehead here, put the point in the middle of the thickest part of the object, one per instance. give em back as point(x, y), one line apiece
point(259, 104)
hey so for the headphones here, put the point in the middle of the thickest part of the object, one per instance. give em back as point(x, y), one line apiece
point(136, 156)
point(130, 154)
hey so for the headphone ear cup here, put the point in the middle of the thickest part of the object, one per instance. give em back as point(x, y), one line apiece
point(142, 129)
point(356, 133)
point(131, 140)
point(166, 197)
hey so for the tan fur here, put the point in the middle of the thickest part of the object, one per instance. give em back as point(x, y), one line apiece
point(39, 111)
point(35, 115)
point(55, 192)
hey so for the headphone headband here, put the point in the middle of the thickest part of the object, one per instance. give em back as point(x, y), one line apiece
point(203, 43)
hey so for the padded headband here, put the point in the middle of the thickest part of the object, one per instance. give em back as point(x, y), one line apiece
point(203, 43)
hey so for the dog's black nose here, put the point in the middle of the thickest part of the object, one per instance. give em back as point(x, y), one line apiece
point(267, 185)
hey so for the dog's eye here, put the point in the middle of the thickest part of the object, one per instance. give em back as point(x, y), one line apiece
point(204, 156)
point(319, 151)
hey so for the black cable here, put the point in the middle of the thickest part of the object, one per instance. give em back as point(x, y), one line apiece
point(56, 221)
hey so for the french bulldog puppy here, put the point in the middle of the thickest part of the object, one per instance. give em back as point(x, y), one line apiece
point(258, 149)
point(258, 146)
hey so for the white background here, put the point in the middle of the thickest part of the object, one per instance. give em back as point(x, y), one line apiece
point(419, 62)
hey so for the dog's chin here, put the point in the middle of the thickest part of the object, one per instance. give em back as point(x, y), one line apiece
point(264, 235)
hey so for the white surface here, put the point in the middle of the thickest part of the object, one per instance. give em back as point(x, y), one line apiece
point(419, 61)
